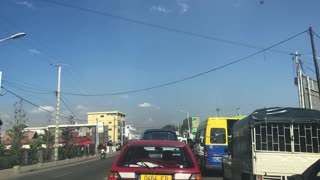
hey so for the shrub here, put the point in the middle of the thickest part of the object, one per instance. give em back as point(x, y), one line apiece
point(7, 162)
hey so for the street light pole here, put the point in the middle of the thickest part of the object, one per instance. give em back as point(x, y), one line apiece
point(15, 36)
point(56, 135)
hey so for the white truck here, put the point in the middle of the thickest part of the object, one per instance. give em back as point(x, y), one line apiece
point(273, 143)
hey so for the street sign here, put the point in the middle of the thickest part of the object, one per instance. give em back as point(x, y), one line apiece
point(195, 123)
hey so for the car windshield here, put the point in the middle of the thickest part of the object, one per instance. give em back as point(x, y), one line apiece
point(156, 156)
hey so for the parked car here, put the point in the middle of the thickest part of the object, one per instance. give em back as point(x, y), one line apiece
point(159, 134)
point(158, 159)
point(311, 173)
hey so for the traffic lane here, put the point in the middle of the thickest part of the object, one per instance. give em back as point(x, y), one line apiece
point(96, 169)
point(212, 175)
point(211, 178)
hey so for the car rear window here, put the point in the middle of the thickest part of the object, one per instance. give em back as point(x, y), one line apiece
point(155, 156)
point(218, 136)
point(154, 135)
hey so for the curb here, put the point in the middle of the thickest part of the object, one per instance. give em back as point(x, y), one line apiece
point(17, 170)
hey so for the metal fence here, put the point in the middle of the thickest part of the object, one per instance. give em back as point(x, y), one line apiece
point(299, 137)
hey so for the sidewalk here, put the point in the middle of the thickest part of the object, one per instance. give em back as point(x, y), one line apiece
point(17, 170)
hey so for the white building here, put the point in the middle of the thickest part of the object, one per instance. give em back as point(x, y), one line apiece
point(130, 132)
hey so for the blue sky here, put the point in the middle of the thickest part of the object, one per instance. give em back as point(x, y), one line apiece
point(118, 46)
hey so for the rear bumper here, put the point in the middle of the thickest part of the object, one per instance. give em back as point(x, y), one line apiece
point(214, 167)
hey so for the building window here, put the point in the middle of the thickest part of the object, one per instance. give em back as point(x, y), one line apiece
point(102, 116)
point(110, 129)
point(110, 122)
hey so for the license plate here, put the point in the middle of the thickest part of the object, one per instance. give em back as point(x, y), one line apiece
point(155, 177)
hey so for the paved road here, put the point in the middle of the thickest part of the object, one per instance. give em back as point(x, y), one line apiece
point(94, 170)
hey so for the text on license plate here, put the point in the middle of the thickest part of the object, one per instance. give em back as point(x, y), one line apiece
point(155, 177)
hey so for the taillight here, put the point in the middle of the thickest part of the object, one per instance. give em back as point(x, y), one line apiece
point(113, 175)
point(205, 153)
point(259, 177)
point(196, 177)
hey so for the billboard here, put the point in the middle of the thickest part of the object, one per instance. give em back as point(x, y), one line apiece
point(195, 123)
point(100, 127)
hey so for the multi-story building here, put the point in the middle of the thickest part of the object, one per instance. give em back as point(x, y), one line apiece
point(111, 121)
point(131, 133)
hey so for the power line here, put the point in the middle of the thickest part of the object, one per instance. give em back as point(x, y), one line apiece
point(24, 84)
point(316, 34)
point(191, 77)
point(31, 102)
point(70, 110)
point(24, 88)
point(308, 67)
point(159, 26)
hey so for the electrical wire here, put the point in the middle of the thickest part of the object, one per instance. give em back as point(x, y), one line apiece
point(24, 84)
point(316, 34)
point(191, 77)
point(308, 67)
point(126, 19)
point(25, 88)
point(74, 115)
point(32, 103)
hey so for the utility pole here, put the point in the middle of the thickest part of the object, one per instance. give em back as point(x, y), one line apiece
point(122, 132)
point(97, 135)
point(114, 130)
point(56, 135)
point(315, 59)
point(299, 80)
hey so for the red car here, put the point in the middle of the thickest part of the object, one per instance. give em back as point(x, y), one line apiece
point(155, 160)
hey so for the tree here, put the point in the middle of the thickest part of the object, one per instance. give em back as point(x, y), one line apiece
point(2, 148)
point(66, 135)
point(184, 127)
point(33, 151)
point(16, 133)
point(48, 139)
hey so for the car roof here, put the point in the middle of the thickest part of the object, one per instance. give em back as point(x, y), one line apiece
point(157, 142)
point(158, 130)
